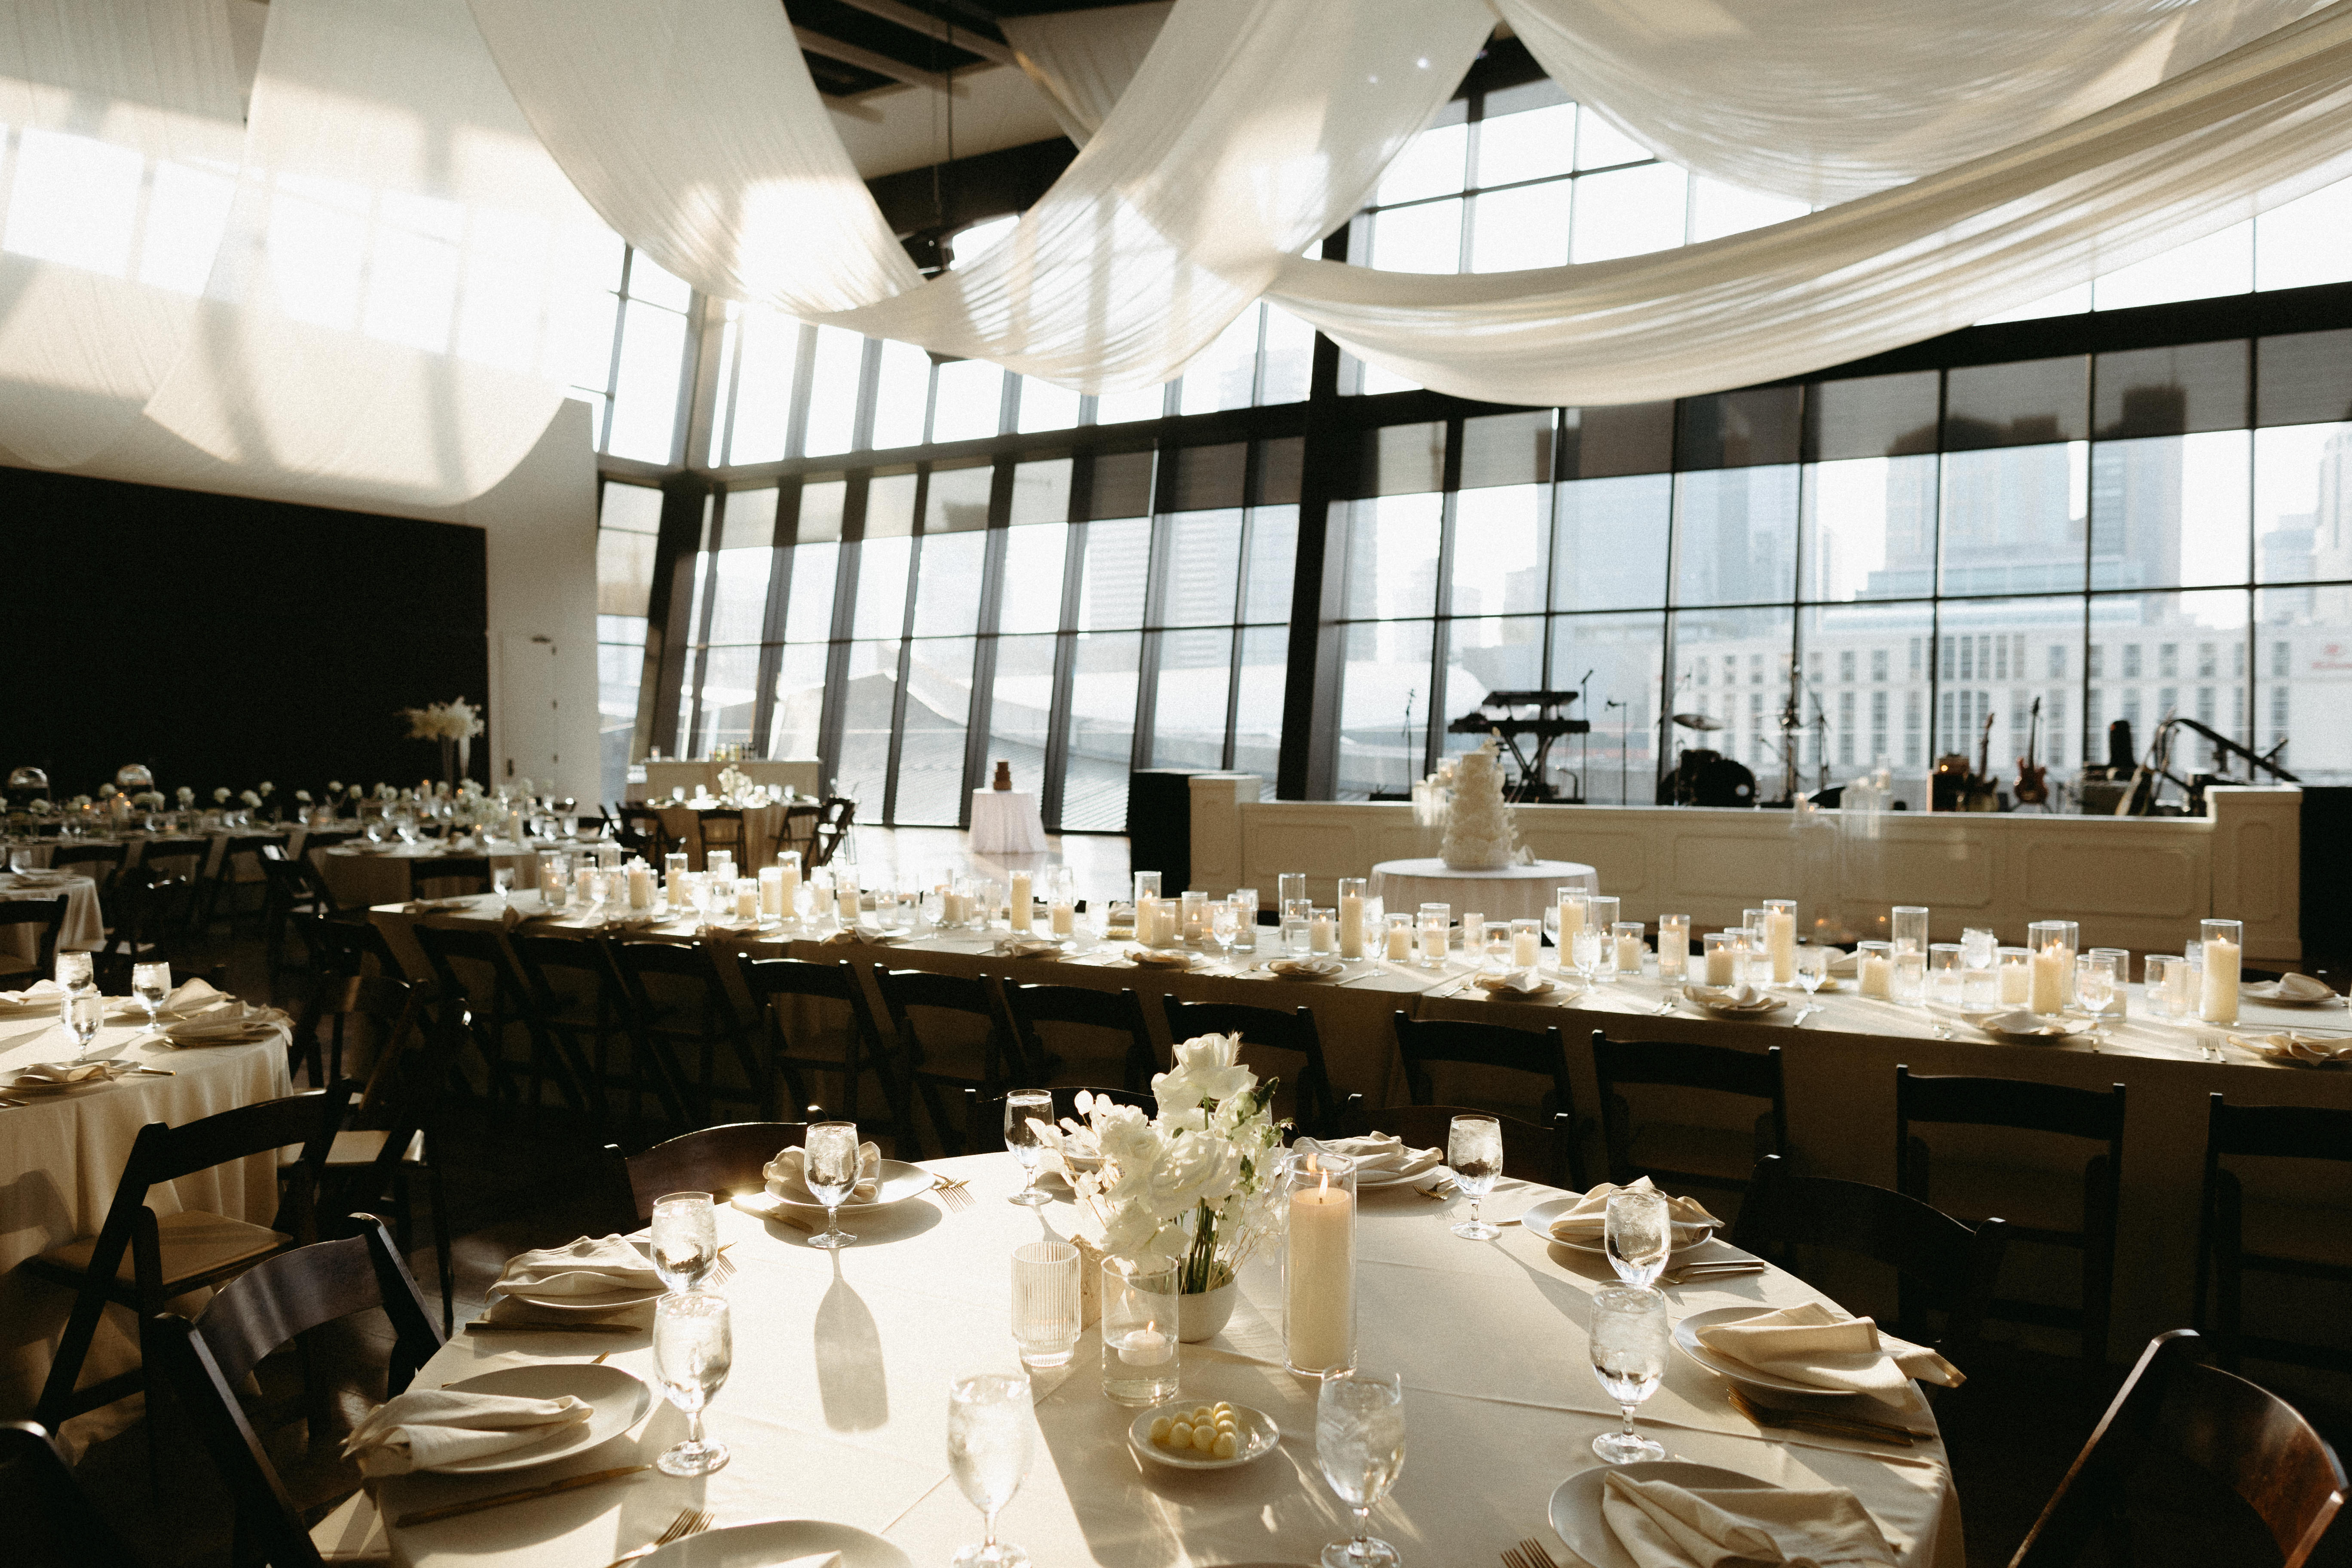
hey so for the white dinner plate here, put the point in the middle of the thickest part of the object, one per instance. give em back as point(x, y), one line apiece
point(899, 1182)
point(2057, 1032)
point(1397, 1179)
point(1255, 1431)
point(617, 1400)
point(1538, 1221)
point(777, 1541)
point(602, 1300)
point(2266, 992)
point(1687, 1337)
point(1576, 1503)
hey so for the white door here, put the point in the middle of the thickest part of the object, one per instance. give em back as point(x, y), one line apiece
point(526, 730)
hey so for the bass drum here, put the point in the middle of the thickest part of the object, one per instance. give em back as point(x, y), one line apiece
point(1723, 783)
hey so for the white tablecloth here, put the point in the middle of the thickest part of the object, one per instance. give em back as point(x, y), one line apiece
point(85, 927)
point(358, 875)
point(1513, 893)
point(837, 1407)
point(61, 1155)
point(760, 825)
point(1006, 821)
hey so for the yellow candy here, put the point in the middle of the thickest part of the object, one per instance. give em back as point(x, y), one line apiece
point(1180, 1436)
point(1227, 1447)
point(1202, 1414)
point(1205, 1438)
point(1223, 1408)
point(1160, 1429)
point(1227, 1423)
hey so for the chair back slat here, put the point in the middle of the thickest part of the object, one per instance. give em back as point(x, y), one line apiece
point(265, 1307)
point(1531, 1152)
point(719, 1161)
point(1082, 1007)
point(2020, 1103)
point(2278, 1131)
point(983, 1115)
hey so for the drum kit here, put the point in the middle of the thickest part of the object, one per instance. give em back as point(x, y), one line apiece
point(1703, 777)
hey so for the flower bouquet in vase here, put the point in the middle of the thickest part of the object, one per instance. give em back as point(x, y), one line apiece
point(1194, 1184)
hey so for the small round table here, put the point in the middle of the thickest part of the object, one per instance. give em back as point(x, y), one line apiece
point(1004, 822)
point(1508, 893)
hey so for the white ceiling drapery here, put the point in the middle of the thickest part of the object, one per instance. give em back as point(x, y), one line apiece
point(1082, 60)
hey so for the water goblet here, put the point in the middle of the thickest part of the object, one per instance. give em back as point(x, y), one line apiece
point(1022, 1107)
point(1045, 1302)
point(1474, 1152)
point(151, 983)
point(830, 1168)
point(989, 1439)
point(2094, 991)
point(1639, 1236)
point(693, 1347)
point(1629, 1356)
point(1359, 1448)
point(1584, 954)
point(502, 881)
point(1812, 969)
point(75, 972)
point(81, 1011)
point(684, 1239)
point(1225, 927)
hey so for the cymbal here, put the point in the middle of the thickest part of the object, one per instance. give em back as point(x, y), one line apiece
point(1699, 721)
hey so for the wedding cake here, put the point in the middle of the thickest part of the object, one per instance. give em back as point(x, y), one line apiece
point(1479, 833)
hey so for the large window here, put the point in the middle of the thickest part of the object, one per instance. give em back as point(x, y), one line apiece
point(628, 527)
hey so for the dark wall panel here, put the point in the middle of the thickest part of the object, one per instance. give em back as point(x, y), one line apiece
point(224, 641)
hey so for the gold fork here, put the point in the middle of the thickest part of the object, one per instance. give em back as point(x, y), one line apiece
point(1533, 1555)
point(951, 1193)
point(690, 1522)
point(724, 1269)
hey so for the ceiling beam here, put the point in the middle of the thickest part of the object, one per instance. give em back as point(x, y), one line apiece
point(916, 21)
point(866, 60)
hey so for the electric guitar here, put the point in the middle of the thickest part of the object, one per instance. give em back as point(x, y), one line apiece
point(2033, 786)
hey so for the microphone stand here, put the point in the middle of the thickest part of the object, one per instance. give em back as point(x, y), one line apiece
point(1624, 743)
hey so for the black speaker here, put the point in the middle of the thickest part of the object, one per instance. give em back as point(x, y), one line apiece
point(2327, 871)
point(1160, 825)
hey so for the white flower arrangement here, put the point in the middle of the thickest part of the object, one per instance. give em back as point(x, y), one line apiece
point(384, 792)
point(1194, 1184)
point(220, 795)
point(456, 720)
point(334, 787)
point(152, 799)
point(301, 797)
point(41, 805)
point(357, 792)
point(187, 796)
point(250, 798)
point(78, 803)
point(266, 788)
point(106, 792)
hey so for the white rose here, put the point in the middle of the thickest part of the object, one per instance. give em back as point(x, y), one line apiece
point(1206, 1069)
point(1195, 1171)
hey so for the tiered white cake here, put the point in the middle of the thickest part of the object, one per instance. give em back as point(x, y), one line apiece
point(1479, 833)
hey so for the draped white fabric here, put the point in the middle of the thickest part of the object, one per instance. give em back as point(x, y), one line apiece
point(2257, 127)
point(1082, 60)
point(1828, 100)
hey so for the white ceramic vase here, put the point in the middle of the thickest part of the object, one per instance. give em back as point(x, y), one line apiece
point(1204, 1316)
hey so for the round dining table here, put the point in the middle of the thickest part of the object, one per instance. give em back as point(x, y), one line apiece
point(85, 927)
point(837, 1403)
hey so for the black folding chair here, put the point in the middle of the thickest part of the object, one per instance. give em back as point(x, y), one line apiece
point(800, 1046)
point(45, 918)
point(678, 1001)
point(1540, 1054)
point(1306, 1094)
point(939, 1065)
point(721, 1161)
point(2229, 1247)
point(52, 1523)
point(1678, 1151)
point(1118, 1013)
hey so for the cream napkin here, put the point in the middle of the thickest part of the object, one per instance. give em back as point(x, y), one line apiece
point(2308, 1050)
point(588, 1266)
point(1826, 1348)
point(1029, 947)
point(224, 1025)
point(786, 1177)
point(1153, 958)
point(2023, 1021)
point(189, 995)
point(73, 1072)
point(1846, 963)
point(1741, 998)
point(2290, 988)
point(1516, 982)
point(426, 1428)
point(1662, 1525)
point(42, 996)
point(1384, 1152)
point(1305, 968)
point(1588, 1222)
point(865, 935)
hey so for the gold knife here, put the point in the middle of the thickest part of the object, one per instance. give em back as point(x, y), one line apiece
point(527, 1494)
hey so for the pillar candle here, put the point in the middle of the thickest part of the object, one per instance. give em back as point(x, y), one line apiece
point(583, 883)
point(1021, 902)
point(1673, 947)
point(1781, 942)
point(1322, 933)
point(747, 899)
point(1320, 1279)
point(550, 888)
point(1877, 975)
point(1400, 950)
point(788, 888)
point(1526, 949)
point(1629, 955)
point(2046, 991)
point(845, 901)
point(1064, 917)
point(1473, 932)
point(1434, 939)
point(1722, 964)
point(514, 826)
point(2016, 985)
point(1571, 921)
point(2218, 1002)
point(1351, 925)
point(771, 892)
point(641, 885)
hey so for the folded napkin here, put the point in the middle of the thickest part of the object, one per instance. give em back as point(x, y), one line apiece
point(1846, 963)
point(1029, 947)
point(2290, 988)
point(1305, 968)
point(1662, 1525)
point(233, 1020)
point(2310, 1050)
point(865, 935)
point(1825, 1347)
point(1383, 1152)
point(41, 996)
point(426, 1428)
point(1741, 998)
point(1154, 958)
point(73, 1072)
point(1516, 982)
point(2023, 1021)
point(1588, 1222)
point(588, 1266)
point(189, 995)
point(787, 1175)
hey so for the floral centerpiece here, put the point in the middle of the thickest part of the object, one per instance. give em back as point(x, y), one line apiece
point(454, 724)
point(1193, 1184)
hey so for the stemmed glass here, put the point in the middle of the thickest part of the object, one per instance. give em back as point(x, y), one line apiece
point(600, 888)
point(1584, 955)
point(2094, 991)
point(502, 881)
point(1813, 968)
point(830, 1168)
point(1359, 1448)
point(685, 1240)
point(988, 1440)
point(81, 1011)
point(1629, 1356)
point(1225, 926)
point(1639, 1236)
point(1021, 1107)
point(694, 1346)
point(151, 983)
point(75, 971)
point(1474, 1152)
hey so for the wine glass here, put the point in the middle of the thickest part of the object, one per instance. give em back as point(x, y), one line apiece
point(1021, 1107)
point(502, 881)
point(831, 1171)
point(1629, 1356)
point(684, 1239)
point(1359, 1448)
point(2094, 991)
point(1225, 927)
point(1639, 1236)
point(80, 1011)
point(1813, 968)
point(75, 971)
point(693, 1347)
point(1584, 954)
point(1474, 1152)
point(151, 983)
point(989, 1439)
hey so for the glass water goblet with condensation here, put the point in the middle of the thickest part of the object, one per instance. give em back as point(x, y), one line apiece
point(76, 972)
point(1023, 1108)
point(2095, 990)
point(1639, 1236)
point(1628, 1345)
point(1359, 1448)
point(1474, 1152)
point(502, 881)
point(830, 1162)
point(990, 1438)
point(693, 1348)
point(1225, 926)
point(151, 983)
point(684, 1239)
point(81, 1011)
point(1584, 954)
point(1813, 969)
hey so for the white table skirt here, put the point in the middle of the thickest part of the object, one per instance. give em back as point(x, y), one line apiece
point(85, 927)
point(62, 1154)
point(836, 1406)
point(1006, 821)
point(1512, 893)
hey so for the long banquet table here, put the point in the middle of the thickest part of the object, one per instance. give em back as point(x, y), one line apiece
point(836, 1406)
point(1839, 1069)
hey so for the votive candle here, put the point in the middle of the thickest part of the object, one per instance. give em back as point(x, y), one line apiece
point(1673, 946)
point(1875, 970)
point(1527, 943)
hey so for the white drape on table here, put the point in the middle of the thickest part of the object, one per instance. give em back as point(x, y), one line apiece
point(1082, 60)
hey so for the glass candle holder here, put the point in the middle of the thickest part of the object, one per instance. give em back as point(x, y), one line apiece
point(1436, 931)
point(1673, 946)
point(1909, 927)
point(1245, 902)
point(1396, 938)
point(1297, 936)
point(1323, 933)
point(1140, 1364)
point(2224, 945)
point(1473, 930)
point(1873, 970)
point(1193, 910)
point(1947, 960)
point(1318, 1193)
point(1601, 917)
point(555, 881)
point(1909, 980)
point(2051, 945)
point(987, 903)
point(1289, 888)
point(1626, 948)
point(1722, 952)
point(1780, 939)
point(1526, 944)
point(747, 899)
point(1979, 947)
point(1980, 989)
point(2168, 985)
point(1147, 885)
point(1353, 932)
point(2118, 960)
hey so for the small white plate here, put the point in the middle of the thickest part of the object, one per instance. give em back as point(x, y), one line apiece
point(2060, 1030)
point(1255, 1428)
point(777, 1541)
point(899, 1182)
point(1538, 1221)
point(1576, 1503)
point(2266, 992)
point(618, 1400)
point(1687, 1337)
point(602, 1300)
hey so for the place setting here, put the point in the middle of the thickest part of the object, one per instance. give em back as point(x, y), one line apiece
point(808, 1188)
